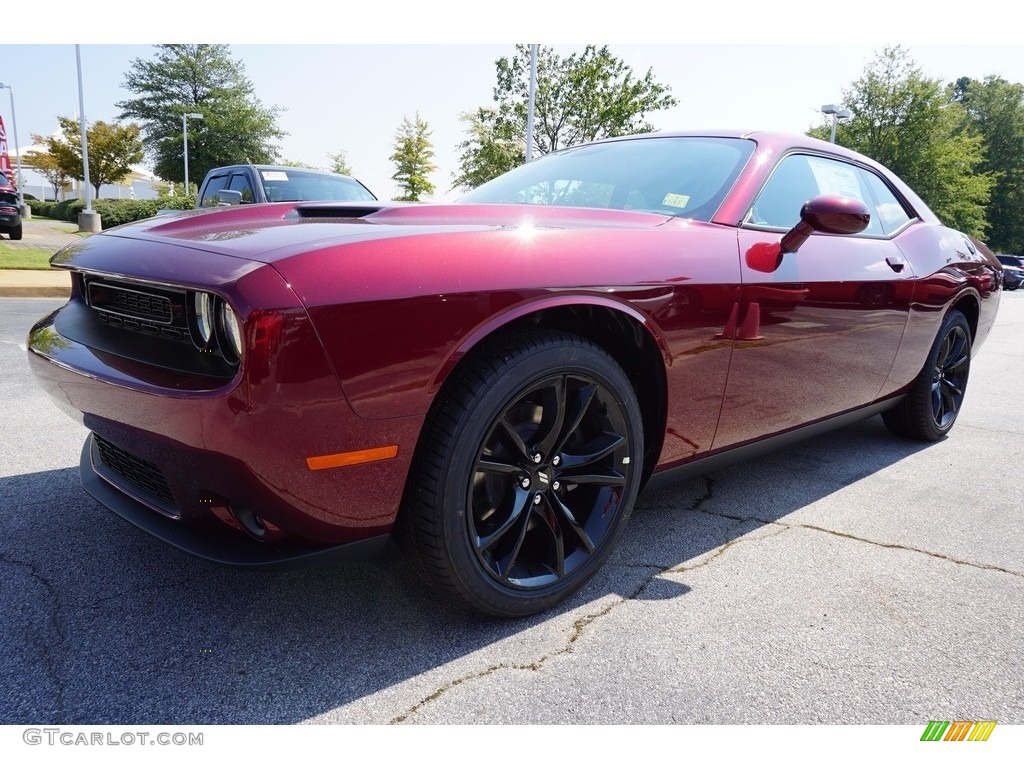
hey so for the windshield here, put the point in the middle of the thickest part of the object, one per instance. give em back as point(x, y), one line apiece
point(291, 185)
point(677, 176)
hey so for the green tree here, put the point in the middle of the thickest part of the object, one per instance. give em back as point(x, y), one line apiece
point(235, 128)
point(113, 149)
point(339, 163)
point(586, 96)
point(490, 148)
point(995, 109)
point(298, 164)
point(412, 159)
point(47, 166)
point(906, 122)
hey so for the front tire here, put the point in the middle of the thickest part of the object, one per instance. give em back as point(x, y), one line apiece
point(935, 398)
point(525, 474)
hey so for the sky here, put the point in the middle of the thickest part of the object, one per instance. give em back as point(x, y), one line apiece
point(347, 83)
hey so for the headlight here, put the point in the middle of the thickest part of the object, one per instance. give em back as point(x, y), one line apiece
point(204, 316)
point(231, 341)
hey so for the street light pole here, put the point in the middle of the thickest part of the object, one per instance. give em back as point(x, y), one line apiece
point(184, 138)
point(533, 95)
point(17, 152)
point(838, 113)
point(88, 219)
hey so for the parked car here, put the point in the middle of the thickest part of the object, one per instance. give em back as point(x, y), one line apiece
point(1013, 271)
point(1013, 278)
point(238, 184)
point(495, 380)
point(10, 212)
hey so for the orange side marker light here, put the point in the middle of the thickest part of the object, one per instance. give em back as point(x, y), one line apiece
point(351, 458)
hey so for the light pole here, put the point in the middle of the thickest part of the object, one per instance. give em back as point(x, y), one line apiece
point(184, 138)
point(88, 219)
point(17, 153)
point(838, 113)
point(533, 96)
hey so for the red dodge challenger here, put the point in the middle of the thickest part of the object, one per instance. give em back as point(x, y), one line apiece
point(494, 381)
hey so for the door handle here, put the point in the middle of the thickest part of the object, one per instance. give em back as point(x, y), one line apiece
point(896, 262)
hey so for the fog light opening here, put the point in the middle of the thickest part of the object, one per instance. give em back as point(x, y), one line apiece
point(251, 523)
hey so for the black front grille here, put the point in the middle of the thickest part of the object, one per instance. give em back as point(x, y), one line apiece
point(133, 324)
point(132, 303)
point(142, 474)
point(149, 323)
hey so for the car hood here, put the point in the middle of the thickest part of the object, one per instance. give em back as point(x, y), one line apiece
point(269, 233)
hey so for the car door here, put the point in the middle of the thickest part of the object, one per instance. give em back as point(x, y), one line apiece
point(818, 334)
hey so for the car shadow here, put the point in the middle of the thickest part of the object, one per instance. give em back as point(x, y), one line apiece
point(105, 625)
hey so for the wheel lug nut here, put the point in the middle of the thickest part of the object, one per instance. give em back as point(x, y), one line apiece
point(556, 485)
point(537, 499)
point(525, 482)
point(537, 458)
point(556, 461)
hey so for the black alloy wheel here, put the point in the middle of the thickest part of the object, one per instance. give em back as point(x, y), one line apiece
point(936, 396)
point(528, 476)
point(546, 477)
point(949, 379)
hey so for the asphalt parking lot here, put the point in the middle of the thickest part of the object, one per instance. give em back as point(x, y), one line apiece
point(852, 579)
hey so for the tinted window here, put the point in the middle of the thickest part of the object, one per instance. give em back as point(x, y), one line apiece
point(678, 176)
point(215, 185)
point(891, 213)
point(292, 185)
point(802, 177)
point(8, 198)
point(240, 183)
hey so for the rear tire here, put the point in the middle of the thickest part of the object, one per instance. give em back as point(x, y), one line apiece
point(525, 475)
point(931, 406)
point(16, 233)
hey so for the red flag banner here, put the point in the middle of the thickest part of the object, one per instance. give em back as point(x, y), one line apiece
point(5, 158)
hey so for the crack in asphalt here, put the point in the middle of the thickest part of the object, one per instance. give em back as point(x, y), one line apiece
point(46, 653)
point(905, 548)
point(579, 626)
point(991, 430)
point(862, 540)
point(697, 505)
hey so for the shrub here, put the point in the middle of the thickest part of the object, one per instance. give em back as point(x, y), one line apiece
point(112, 212)
point(42, 207)
point(68, 210)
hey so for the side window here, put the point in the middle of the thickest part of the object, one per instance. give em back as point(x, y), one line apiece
point(210, 193)
point(790, 186)
point(891, 215)
point(240, 183)
point(801, 177)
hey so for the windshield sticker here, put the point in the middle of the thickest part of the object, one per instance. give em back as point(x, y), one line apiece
point(274, 175)
point(676, 201)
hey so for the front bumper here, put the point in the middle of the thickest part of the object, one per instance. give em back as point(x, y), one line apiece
point(218, 467)
point(220, 549)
